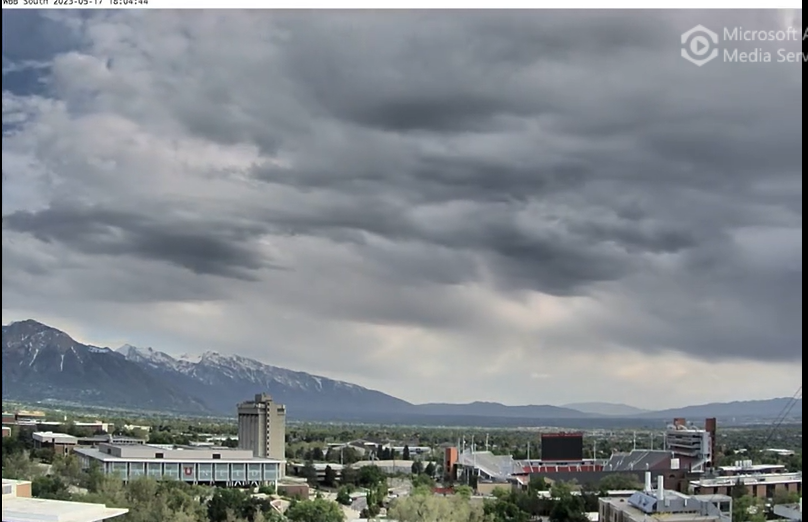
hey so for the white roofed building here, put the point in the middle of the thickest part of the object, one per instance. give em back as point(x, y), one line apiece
point(19, 506)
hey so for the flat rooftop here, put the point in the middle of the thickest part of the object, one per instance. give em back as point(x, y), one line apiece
point(753, 468)
point(23, 509)
point(188, 455)
point(749, 480)
point(636, 513)
point(54, 438)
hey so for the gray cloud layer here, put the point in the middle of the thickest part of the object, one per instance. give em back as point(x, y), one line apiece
point(516, 194)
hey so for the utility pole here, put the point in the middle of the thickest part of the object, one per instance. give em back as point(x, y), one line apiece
point(634, 444)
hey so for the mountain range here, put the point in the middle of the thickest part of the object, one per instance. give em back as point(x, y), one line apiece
point(41, 363)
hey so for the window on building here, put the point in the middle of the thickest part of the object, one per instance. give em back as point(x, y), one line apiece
point(217, 456)
point(159, 455)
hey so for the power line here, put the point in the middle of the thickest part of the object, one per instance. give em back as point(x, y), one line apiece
point(789, 405)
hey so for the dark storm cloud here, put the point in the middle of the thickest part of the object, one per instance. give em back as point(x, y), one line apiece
point(573, 154)
point(205, 247)
point(452, 71)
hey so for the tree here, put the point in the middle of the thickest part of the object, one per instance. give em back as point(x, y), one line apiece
point(739, 490)
point(349, 455)
point(93, 478)
point(317, 510)
point(68, 468)
point(309, 472)
point(417, 467)
point(19, 466)
point(747, 509)
point(375, 499)
point(344, 496)
point(423, 480)
point(505, 510)
point(566, 506)
point(349, 476)
point(267, 489)
point(225, 502)
point(317, 454)
point(405, 454)
point(430, 469)
point(464, 491)
point(537, 484)
point(330, 479)
point(51, 487)
point(786, 497)
point(369, 476)
point(428, 508)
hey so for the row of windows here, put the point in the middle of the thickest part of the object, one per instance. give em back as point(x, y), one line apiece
point(195, 471)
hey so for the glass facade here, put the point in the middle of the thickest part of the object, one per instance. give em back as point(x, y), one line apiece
point(237, 472)
point(188, 471)
point(171, 471)
point(222, 472)
point(204, 472)
point(119, 469)
point(196, 471)
point(154, 470)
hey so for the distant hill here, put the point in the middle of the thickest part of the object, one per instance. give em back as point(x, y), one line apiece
point(606, 409)
point(494, 409)
point(762, 409)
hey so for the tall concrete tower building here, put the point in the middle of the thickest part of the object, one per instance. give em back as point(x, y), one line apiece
point(262, 427)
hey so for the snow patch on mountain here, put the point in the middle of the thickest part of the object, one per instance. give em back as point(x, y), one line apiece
point(210, 366)
point(148, 356)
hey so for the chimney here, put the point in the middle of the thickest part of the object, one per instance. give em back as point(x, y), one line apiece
point(648, 486)
point(660, 493)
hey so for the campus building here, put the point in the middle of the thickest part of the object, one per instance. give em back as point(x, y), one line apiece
point(790, 512)
point(60, 443)
point(19, 506)
point(694, 447)
point(262, 427)
point(662, 505)
point(213, 466)
point(765, 486)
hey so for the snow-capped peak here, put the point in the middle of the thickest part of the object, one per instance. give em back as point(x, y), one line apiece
point(190, 358)
point(211, 366)
point(149, 355)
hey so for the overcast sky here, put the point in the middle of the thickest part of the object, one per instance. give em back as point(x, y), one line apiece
point(523, 207)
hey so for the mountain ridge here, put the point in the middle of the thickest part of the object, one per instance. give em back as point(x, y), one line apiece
point(608, 409)
point(215, 383)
